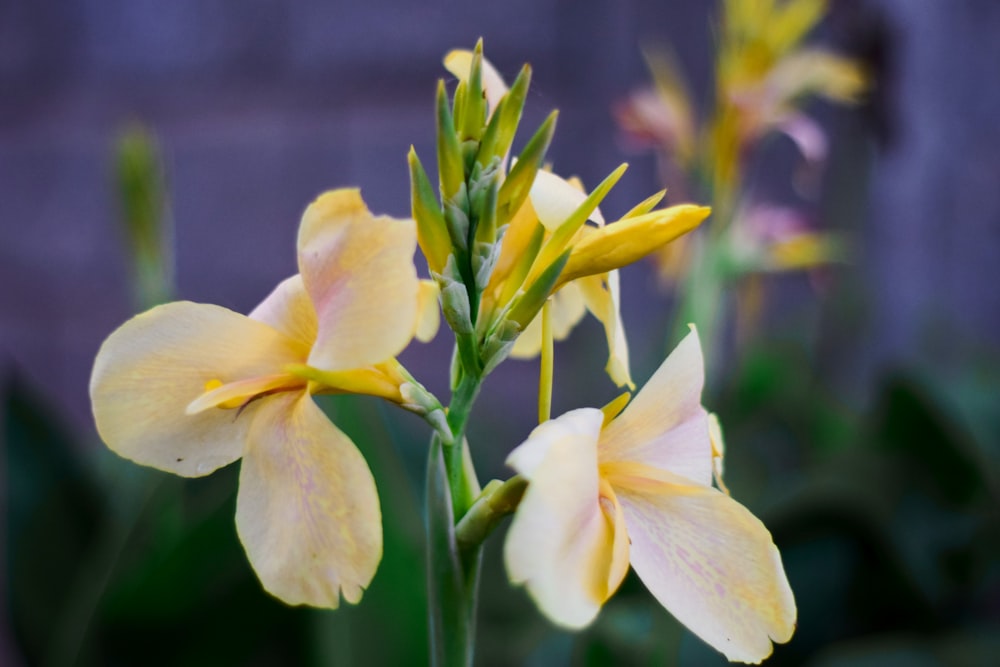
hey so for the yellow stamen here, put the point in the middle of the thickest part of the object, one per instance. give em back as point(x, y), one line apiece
point(232, 403)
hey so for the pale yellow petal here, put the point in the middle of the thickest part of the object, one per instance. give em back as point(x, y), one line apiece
point(429, 314)
point(710, 563)
point(560, 544)
point(567, 310)
point(289, 310)
point(358, 270)
point(665, 426)
point(307, 510)
point(459, 63)
point(152, 367)
point(554, 199)
point(602, 295)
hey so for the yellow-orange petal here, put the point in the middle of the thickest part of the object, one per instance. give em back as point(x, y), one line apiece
point(710, 563)
point(289, 310)
point(307, 512)
point(629, 240)
point(560, 544)
point(665, 425)
point(358, 270)
point(152, 367)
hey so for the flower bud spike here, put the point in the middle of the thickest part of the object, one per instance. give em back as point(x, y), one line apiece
point(516, 187)
point(432, 233)
point(449, 153)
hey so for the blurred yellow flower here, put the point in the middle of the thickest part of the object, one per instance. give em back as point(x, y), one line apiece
point(188, 388)
point(605, 491)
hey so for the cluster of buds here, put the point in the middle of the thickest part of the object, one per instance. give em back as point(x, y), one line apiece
point(507, 234)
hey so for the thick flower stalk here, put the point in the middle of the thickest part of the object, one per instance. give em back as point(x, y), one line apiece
point(606, 491)
point(188, 388)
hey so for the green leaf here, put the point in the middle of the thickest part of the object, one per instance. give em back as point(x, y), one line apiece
point(452, 580)
point(54, 511)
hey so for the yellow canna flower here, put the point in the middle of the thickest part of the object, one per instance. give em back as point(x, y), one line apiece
point(605, 491)
point(188, 388)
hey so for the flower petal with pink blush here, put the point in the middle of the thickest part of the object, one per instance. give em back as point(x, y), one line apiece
point(152, 367)
point(289, 310)
point(307, 510)
point(710, 562)
point(665, 426)
point(358, 270)
point(561, 544)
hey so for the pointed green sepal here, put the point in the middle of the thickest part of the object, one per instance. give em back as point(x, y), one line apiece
point(516, 187)
point(560, 239)
point(449, 152)
point(474, 111)
point(646, 205)
point(506, 117)
point(432, 232)
point(533, 298)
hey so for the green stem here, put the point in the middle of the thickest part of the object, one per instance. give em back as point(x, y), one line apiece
point(454, 460)
point(452, 576)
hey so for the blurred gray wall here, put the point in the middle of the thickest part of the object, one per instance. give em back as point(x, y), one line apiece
point(260, 105)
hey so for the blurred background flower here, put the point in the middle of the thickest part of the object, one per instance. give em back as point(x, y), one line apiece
point(863, 427)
